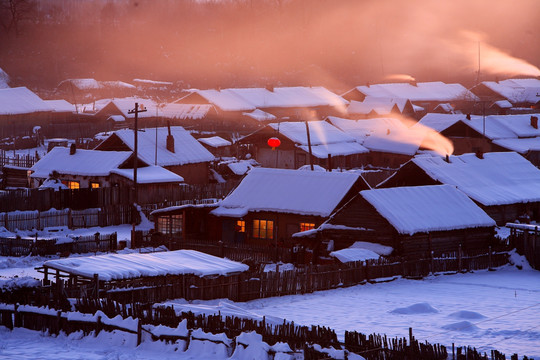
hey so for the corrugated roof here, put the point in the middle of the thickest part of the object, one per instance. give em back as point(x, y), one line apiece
point(418, 209)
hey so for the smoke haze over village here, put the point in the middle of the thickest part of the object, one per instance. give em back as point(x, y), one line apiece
point(288, 42)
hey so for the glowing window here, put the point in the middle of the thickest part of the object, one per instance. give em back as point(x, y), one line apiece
point(94, 185)
point(73, 185)
point(307, 226)
point(263, 229)
point(240, 226)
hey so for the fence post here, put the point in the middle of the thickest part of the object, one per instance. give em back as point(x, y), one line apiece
point(489, 259)
point(139, 332)
point(432, 263)
point(96, 286)
point(459, 258)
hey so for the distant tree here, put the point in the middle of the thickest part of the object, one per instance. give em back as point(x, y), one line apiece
point(14, 12)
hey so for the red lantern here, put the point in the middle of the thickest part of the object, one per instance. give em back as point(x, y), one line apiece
point(273, 142)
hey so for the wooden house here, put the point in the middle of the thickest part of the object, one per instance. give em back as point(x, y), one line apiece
point(505, 185)
point(249, 108)
point(390, 142)
point(187, 222)
point(424, 94)
point(330, 147)
point(20, 111)
point(175, 150)
point(78, 168)
point(270, 205)
point(475, 133)
point(413, 220)
point(218, 146)
point(519, 92)
point(373, 106)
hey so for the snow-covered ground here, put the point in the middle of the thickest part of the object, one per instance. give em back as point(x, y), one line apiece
point(485, 309)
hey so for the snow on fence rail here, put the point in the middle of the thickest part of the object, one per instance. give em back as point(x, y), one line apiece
point(232, 335)
point(81, 244)
point(39, 220)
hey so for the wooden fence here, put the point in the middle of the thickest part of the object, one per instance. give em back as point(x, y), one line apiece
point(257, 284)
point(97, 316)
point(39, 220)
point(78, 199)
point(25, 161)
point(526, 239)
point(81, 244)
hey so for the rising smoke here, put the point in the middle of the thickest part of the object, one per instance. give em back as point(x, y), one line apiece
point(338, 44)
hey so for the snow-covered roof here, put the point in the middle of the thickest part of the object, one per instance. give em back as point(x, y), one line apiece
point(128, 266)
point(325, 138)
point(379, 105)
point(519, 124)
point(82, 84)
point(249, 99)
point(260, 115)
point(417, 209)
point(152, 82)
point(117, 118)
point(4, 79)
point(215, 141)
point(60, 106)
point(521, 146)
point(497, 179)
point(335, 149)
point(20, 100)
point(382, 134)
point(241, 167)
point(150, 175)
point(117, 84)
point(320, 132)
point(422, 91)
point(494, 129)
point(83, 162)
point(187, 149)
point(153, 109)
point(287, 191)
point(503, 104)
point(516, 90)
point(354, 254)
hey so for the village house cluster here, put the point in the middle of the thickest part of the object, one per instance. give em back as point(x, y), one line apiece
point(421, 167)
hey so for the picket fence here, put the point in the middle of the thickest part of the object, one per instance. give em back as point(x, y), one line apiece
point(73, 219)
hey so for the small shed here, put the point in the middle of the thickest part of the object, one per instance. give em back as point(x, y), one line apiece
point(139, 277)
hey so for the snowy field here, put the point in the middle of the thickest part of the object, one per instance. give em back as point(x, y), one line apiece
point(487, 310)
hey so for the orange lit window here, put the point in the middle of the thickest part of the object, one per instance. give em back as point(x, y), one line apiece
point(263, 229)
point(94, 185)
point(73, 185)
point(240, 226)
point(307, 226)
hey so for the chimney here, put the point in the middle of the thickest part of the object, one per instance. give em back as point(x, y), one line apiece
point(479, 154)
point(72, 149)
point(534, 122)
point(447, 158)
point(170, 139)
point(468, 116)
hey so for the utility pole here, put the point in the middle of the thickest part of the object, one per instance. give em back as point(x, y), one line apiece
point(138, 109)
